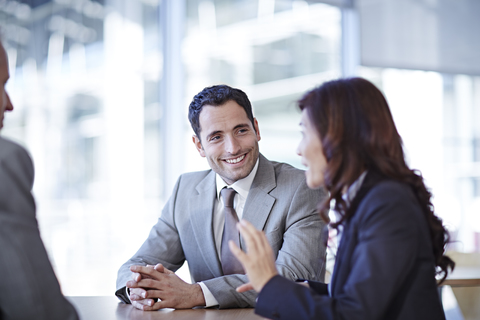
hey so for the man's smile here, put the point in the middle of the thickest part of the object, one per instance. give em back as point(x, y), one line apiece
point(236, 160)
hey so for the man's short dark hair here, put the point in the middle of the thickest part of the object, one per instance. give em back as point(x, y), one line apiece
point(216, 96)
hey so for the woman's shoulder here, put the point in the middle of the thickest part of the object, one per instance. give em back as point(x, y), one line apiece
point(390, 189)
point(391, 200)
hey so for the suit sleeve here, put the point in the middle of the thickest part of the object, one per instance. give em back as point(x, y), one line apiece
point(387, 236)
point(29, 288)
point(303, 252)
point(318, 287)
point(163, 246)
point(301, 255)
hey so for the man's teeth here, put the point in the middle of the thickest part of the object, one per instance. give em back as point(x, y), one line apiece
point(235, 160)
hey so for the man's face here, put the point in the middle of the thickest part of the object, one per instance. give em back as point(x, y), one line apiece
point(228, 140)
point(5, 104)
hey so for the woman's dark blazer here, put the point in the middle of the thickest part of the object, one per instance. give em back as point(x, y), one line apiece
point(384, 267)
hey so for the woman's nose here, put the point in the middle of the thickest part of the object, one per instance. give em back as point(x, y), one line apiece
point(9, 103)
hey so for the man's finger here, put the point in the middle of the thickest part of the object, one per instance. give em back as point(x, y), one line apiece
point(147, 302)
point(136, 276)
point(137, 305)
point(137, 293)
point(135, 297)
point(160, 268)
point(149, 273)
point(149, 284)
point(155, 294)
point(132, 284)
point(154, 306)
point(160, 304)
point(245, 287)
point(142, 304)
point(148, 270)
point(144, 283)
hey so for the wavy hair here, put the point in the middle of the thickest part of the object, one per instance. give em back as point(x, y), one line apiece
point(357, 131)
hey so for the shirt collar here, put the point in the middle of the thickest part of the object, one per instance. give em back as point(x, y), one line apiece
point(353, 189)
point(242, 186)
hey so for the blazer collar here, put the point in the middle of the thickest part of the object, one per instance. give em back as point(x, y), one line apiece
point(257, 208)
point(372, 178)
point(201, 214)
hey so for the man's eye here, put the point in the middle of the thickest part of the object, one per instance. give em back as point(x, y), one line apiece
point(214, 138)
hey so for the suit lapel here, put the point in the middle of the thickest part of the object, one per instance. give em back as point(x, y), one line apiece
point(344, 241)
point(371, 179)
point(201, 213)
point(259, 202)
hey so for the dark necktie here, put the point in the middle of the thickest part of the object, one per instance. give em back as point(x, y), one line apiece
point(230, 264)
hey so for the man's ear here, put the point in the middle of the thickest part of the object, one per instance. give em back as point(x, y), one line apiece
point(257, 130)
point(198, 145)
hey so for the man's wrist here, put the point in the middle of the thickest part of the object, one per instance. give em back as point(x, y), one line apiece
point(210, 300)
point(199, 299)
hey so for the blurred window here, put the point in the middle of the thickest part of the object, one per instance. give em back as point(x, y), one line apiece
point(437, 116)
point(86, 80)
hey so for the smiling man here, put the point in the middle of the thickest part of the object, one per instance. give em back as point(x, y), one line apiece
point(200, 216)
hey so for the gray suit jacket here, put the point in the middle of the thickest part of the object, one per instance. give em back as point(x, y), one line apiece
point(28, 286)
point(279, 203)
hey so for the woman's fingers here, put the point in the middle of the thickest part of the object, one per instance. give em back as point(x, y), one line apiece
point(265, 245)
point(255, 240)
point(253, 237)
point(238, 253)
point(245, 287)
point(248, 233)
point(258, 260)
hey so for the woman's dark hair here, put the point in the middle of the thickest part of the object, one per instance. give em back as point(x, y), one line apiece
point(356, 128)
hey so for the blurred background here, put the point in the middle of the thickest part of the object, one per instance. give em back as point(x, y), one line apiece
point(101, 90)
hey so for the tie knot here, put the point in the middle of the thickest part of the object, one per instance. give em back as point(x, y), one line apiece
point(228, 194)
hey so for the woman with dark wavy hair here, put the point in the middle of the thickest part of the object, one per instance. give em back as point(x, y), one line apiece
point(392, 244)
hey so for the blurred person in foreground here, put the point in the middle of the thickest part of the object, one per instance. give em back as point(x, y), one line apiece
point(201, 215)
point(391, 241)
point(28, 286)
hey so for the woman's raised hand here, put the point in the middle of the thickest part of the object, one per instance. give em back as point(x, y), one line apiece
point(258, 260)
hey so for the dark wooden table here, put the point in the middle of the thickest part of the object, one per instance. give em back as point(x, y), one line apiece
point(106, 308)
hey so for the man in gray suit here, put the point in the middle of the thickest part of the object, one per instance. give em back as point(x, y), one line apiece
point(201, 215)
point(29, 288)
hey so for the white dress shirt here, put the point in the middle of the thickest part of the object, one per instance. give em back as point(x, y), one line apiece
point(242, 187)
